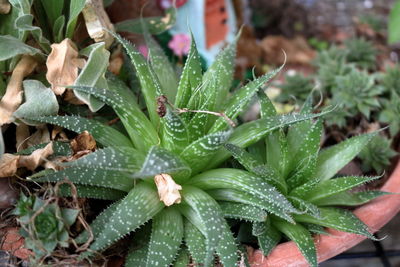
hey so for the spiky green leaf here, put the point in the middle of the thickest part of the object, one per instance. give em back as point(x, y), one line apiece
point(96, 192)
point(242, 211)
point(190, 78)
point(350, 199)
point(166, 237)
point(175, 133)
point(339, 219)
point(334, 186)
point(104, 134)
point(199, 153)
point(160, 160)
point(241, 99)
point(140, 205)
point(195, 241)
point(334, 158)
point(301, 237)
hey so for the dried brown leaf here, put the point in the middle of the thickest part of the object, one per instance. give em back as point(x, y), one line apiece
point(82, 142)
point(62, 65)
point(168, 190)
point(22, 135)
point(70, 97)
point(8, 165)
point(97, 21)
point(13, 96)
point(37, 158)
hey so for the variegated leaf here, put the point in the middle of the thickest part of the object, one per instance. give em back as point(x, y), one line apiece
point(104, 134)
point(190, 78)
point(334, 158)
point(198, 153)
point(96, 192)
point(301, 237)
point(139, 128)
point(160, 160)
point(140, 205)
point(350, 199)
point(175, 133)
point(242, 211)
point(241, 99)
point(166, 237)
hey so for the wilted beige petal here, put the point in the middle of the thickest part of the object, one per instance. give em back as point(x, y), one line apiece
point(8, 165)
point(37, 158)
point(62, 65)
point(97, 21)
point(42, 135)
point(168, 190)
point(13, 96)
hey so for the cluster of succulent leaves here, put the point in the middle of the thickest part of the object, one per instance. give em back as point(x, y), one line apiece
point(44, 226)
point(173, 137)
point(343, 75)
point(290, 159)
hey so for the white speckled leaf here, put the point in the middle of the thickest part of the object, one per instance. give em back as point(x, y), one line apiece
point(195, 241)
point(210, 216)
point(103, 134)
point(243, 181)
point(175, 135)
point(251, 132)
point(339, 219)
point(160, 160)
point(96, 192)
point(139, 206)
point(166, 237)
point(199, 153)
point(334, 186)
point(334, 158)
point(241, 99)
point(350, 199)
point(151, 88)
point(235, 195)
point(190, 78)
point(242, 211)
point(139, 128)
point(301, 237)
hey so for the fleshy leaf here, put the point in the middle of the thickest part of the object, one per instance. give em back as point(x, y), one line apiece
point(334, 158)
point(96, 192)
point(339, 219)
point(166, 237)
point(104, 134)
point(242, 211)
point(198, 153)
point(195, 241)
point(350, 199)
point(160, 160)
point(190, 78)
point(210, 216)
point(233, 195)
point(139, 128)
point(334, 186)
point(151, 88)
point(251, 132)
point(139, 206)
point(175, 133)
point(301, 237)
point(269, 238)
point(11, 47)
point(241, 99)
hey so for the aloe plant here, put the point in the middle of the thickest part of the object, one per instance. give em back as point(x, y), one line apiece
point(164, 170)
point(292, 161)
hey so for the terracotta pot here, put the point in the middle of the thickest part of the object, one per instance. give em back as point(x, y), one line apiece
point(375, 214)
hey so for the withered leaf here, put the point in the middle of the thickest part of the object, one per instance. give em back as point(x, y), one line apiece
point(62, 65)
point(13, 96)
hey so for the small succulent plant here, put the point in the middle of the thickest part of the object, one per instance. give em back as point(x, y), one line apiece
point(391, 79)
point(356, 92)
point(44, 226)
point(165, 170)
point(377, 154)
point(296, 88)
point(391, 112)
point(293, 163)
point(361, 52)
